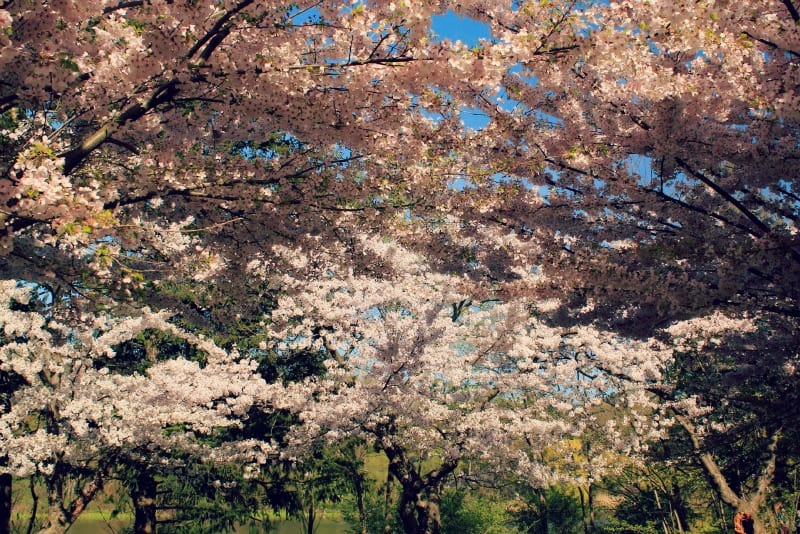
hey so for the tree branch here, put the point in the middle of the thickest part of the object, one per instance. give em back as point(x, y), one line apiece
point(724, 489)
point(74, 157)
point(123, 5)
point(763, 228)
point(768, 473)
point(220, 26)
point(792, 11)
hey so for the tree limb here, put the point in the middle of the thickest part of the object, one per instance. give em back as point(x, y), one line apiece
point(74, 157)
point(219, 26)
point(763, 228)
point(792, 10)
point(768, 473)
point(724, 489)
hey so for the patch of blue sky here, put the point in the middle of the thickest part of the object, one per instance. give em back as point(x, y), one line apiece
point(251, 151)
point(699, 56)
point(556, 187)
point(505, 178)
point(547, 120)
point(642, 167)
point(509, 104)
point(434, 117)
point(304, 15)
point(473, 118)
point(524, 74)
point(788, 187)
point(41, 292)
point(544, 193)
point(455, 27)
point(343, 153)
point(461, 183)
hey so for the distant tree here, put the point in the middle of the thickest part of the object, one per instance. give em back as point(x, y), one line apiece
point(549, 510)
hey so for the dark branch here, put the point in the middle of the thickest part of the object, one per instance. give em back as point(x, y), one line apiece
point(763, 228)
point(792, 10)
point(74, 157)
point(127, 146)
point(220, 26)
point(7, 102)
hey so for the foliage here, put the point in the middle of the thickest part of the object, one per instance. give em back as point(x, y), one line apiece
point(474, 513)
point(375, 504)
point(662, 498)
point(552, 509)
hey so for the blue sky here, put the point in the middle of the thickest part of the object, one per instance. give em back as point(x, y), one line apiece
point(453, 27)
point(446, 26)
point(458, 28)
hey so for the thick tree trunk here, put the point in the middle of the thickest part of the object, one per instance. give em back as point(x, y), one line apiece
point(62, 513)
point(5, 501)
point(420, 512)
point(408, 514)
point(430, 513)
point(746, 520)
point(143, 495)
point(420, 499)
point(56, 521)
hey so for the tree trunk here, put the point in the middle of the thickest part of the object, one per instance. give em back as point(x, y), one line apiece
point(312, 513)
point(5, 501)
point(143, 495)
point(408, 514)
point(432, 512)
point(358, 488)
point(57, 520)
point(420, 511)
point(746, 519)
point(543, 526)
point(34, 505)
point(387, 512)
point(587, 508)
point(420, 498)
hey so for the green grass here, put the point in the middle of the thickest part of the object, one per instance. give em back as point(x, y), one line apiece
point(376, 464)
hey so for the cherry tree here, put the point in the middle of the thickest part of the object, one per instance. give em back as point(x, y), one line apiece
point(432, 377)
point(652, 164)
point(72, 417)
point(147, 141)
